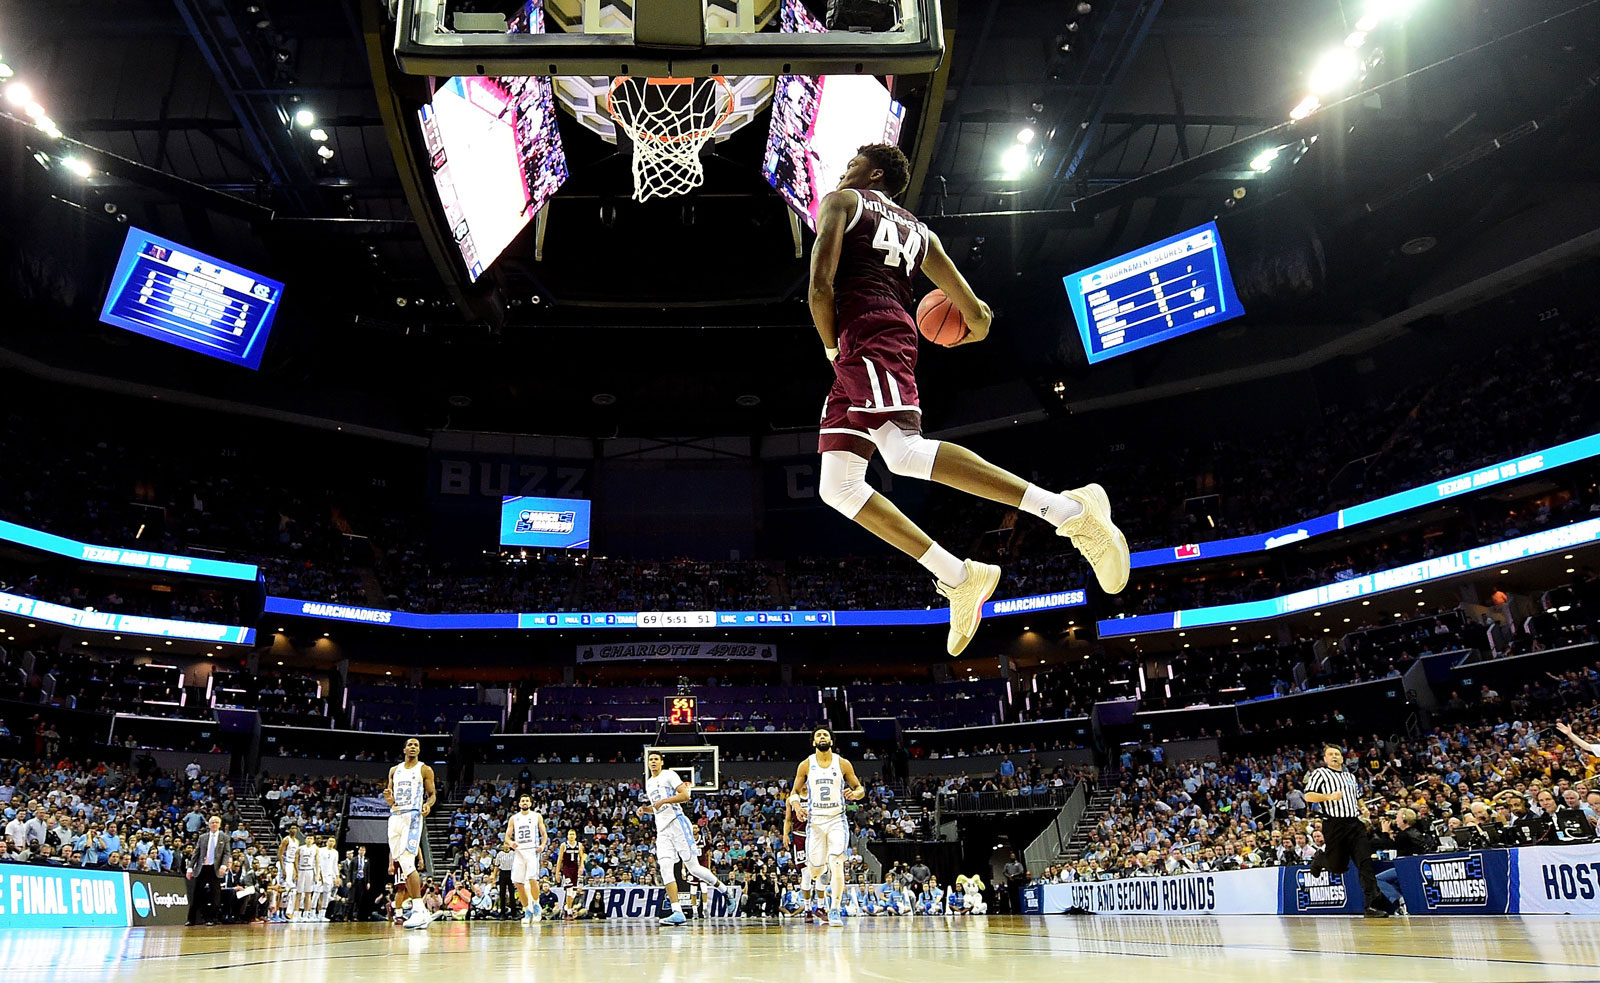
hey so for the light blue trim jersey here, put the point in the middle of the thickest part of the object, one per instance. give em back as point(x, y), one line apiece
point(665, 786)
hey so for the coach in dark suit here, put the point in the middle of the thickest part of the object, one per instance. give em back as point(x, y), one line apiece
point(356, 871)
point(210, 853)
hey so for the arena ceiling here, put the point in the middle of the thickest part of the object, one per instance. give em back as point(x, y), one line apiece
point(1474, 135)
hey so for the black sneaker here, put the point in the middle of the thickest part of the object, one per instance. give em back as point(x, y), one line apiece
point(1375, 913)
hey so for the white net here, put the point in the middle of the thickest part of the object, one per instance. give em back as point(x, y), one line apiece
point(668, 120)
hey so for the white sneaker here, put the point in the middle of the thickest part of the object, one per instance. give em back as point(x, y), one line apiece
point(966, 602)
point(1097, 538)
point(420, 917)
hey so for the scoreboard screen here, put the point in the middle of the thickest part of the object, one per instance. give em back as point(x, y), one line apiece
point(1171, 288)
point(183, 297)
point(680, 709)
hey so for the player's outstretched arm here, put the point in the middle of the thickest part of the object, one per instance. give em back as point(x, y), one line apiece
point(942, 271)
point(832, 217)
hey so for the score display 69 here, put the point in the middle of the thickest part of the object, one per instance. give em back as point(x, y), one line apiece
point(677, 619)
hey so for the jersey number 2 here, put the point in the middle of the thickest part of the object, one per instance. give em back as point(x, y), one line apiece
point(895, 252)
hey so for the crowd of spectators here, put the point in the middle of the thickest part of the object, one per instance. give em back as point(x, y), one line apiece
point(1495, 772)
point(310, 544)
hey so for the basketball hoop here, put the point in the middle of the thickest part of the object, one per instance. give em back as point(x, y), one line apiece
point(668, 120)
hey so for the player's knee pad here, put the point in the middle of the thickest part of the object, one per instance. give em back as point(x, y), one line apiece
point(906, 452)
point(844, 482)
point(408, 864)
point(667, 874)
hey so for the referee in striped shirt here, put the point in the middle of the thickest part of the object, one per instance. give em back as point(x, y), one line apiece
point(1343, 826)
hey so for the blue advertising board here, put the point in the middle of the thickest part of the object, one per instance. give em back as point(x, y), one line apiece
point(37, 896)
point(127, 624)
point(1582, 449)
point(544, 523)
point(118, 557)
point(325, 611)
point(1480, 557)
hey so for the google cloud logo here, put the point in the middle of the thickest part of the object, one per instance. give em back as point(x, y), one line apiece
point(141, 899)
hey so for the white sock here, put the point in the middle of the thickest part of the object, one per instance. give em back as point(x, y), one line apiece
point(1053, 507)
point(674, 905)
point(943, 564)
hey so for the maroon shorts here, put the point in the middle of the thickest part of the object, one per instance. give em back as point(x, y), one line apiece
point(874, 382)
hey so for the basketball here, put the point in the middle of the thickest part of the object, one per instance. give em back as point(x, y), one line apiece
point(939, 321)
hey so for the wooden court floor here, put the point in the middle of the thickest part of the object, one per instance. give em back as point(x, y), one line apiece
point(922, 950)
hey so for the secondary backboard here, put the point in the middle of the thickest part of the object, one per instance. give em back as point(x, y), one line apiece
point(649, 40)
point(696, 764)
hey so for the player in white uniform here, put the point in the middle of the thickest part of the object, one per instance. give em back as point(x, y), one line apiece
point(822, 785)
point(287, 848)
point(327, 877)
point(410, 794)
point(305, 880)
point(674, 834)
point(527, 837)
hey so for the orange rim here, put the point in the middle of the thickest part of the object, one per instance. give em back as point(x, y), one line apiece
point(699, 134)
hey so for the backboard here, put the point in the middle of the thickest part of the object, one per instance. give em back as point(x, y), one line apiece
point(647, 38)
point(696, 764)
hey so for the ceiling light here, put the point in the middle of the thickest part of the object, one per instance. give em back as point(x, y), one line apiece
point(1025, 135)
point(5, 71)
point(1355, 39)
point(76, 166)
point(1388, 10)
point(48, 127)
point(305, 117)
point(1333, 71)
point(319, 134)
point(1307, 106)
point(1570, 570)
point(325, 152)
point(1263, 161)
point(18, 94)
point(33, 110)
point(1014, 159)
point(1505, 571)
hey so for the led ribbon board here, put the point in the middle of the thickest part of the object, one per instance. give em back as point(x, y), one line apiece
point(659, 619)
point(1581, 449)
point(1478, 558)
point(126, 624)
point(118, 557)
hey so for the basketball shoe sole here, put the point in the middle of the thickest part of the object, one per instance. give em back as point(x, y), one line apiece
point(966, 602)
point(1099, 540)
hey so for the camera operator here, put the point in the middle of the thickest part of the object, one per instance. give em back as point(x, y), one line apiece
point(1406, 838)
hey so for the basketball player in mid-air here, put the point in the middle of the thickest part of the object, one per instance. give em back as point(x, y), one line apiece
point(863, 266)
point(674, 835)
point(822, 784)
point(410, 794)
point(528, 838)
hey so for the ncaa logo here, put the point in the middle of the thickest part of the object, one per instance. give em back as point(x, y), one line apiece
point(1325, 890)
point(141, 899)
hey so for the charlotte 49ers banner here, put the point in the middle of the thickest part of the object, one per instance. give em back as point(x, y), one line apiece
point(669, 651)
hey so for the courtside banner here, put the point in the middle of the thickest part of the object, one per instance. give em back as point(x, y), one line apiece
point(1324, 894)
point(38, 896)
point(158, 899)
point(1476, 883)
point(638, 901)
point(672, 651)
point(1229, 892)
point(1556, 880)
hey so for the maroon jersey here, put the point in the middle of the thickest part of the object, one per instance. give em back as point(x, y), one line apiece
point(883, 248)
point(571, 855)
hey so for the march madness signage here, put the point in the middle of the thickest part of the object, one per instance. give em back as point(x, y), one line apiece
point(1325, 893)
point(1456, 883)
point(637, 901)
